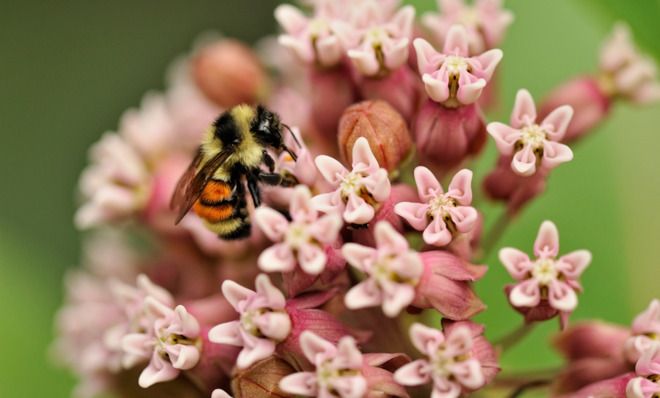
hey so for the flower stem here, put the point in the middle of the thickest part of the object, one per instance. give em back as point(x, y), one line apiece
point(515, 336)
point(494, 234)
point(530, 385)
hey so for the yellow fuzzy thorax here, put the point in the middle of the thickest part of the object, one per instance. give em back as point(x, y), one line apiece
point(249, 153)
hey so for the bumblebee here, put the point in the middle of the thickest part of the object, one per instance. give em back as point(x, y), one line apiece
point(232, 155)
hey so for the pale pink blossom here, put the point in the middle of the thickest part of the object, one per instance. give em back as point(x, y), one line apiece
point(149, 129)
point(392, 269)
point(338, 369)
point(441, 215)
point(263, 322)
point(531, 145)
point(379, 47)
point(172, 343)
point(647, 384)
point(359, 192)
point(485, 21)
point(645, 331)
point(312, 39)
point(452, 77)
point(449, 362)
point(628, 72)
point(300, 241)
point(546, 279)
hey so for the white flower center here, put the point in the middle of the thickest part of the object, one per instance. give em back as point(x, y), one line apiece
point(443, 363)
point(545, 271)
point(297, 236)
point(382, 271)
point(533, 135)
point(319, 27)
point(456, 65)
point(376, 36)
point(469, 17)
point(326, 374)
point(351, 184)
point(248, 319)
point(439, 205)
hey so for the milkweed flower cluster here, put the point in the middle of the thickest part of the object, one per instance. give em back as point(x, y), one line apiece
point(359, 281)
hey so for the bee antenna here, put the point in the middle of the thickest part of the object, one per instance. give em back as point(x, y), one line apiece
point(295, 139)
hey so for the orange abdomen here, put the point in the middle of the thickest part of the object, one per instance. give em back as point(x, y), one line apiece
point(215, 204)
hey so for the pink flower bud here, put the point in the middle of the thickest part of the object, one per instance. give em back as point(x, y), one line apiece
point(446, 285)
point(594, 351)
point(447, 136)
point(229, 73)
point(400, 88)
point(614, 387)
point(332, 91)
point(262, 379)
point(591, 105)
point(382, 126)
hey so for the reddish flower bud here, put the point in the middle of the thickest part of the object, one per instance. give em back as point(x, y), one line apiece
point(382, 126)
point(447, 136)
point(229, 73)
point(401, 89)
point(332, 91)
point(503, 184)
point(590, 103)
point(261, 379)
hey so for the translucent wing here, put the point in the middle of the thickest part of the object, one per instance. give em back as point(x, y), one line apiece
point(192, 183)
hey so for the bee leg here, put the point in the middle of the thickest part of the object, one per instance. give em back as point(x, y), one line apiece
point(278, 179)
point(253, 187)
point(268, 160)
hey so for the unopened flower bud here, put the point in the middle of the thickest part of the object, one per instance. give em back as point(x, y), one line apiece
point(333, 92)
point(382, 126)
point(262, 379)
point(447, 136)
point(400, 88)
point(229, 73)
point(589, 101)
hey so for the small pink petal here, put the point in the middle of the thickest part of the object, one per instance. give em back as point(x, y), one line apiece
point(363, 157)
point(437, 89)
point(457, 41)
point(275, 298)
point(555, 153)
point(428, 186)
point(547, 240)
point(349, 387)
point(389, 239)
point(460, 187)
point(641, 387)
point(290, 18)
point(274, 325)
point(562, 297)
point(348, 355)
point(363, 295)
point(301, 383)
point(556, 123)
point(138, 344)
point(427, 57)
point(396, 297)
point(301, 206)
point(489, 61)
point(516, 262)
point(413, 374)
point(505, 137)
point(424, 337)
point(364, 61)
point(277, 258)
point(358, 211)
point(360, 257)
point(330, 202)
point(469, 373)
point(312, 259)
point(524, 110)
point(414, 213)
point(437, 233)
point(326, 228)
point(464, 217)
point(469, 92)
point(573, 264)
point(227, 333)
point(525, 294)
point(262, 348)
point(235, 293)
point(330, 169)
point(182, 356)
point(329, 50)
point(524, 161)
point(378, 184)
point(313, 345)
point(158, 371)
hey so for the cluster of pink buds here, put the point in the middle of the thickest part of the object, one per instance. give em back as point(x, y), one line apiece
point(357, 279)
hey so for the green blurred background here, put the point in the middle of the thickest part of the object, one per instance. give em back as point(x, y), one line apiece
point(69, 69)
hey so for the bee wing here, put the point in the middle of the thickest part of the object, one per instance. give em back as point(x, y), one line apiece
point(192, 183)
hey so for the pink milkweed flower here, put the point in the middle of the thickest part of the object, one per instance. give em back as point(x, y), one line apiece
point(172, 343)
point(533, 145)
point(547, 281)
point(441, 215)
point(647, 384)
point(593, 351)
point(263, 320)
point(450, 362)
point(341, 371)
point(393, 271)
point(452, 77)
point(628, 73)
point(313, 40)
point(645, 332)
point(613, 387)
point(379, 47)
point(485, 21)
point(337, 369)
point(302, 241)
point(358, 193)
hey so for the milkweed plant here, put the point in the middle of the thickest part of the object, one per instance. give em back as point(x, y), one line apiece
point(359, 281)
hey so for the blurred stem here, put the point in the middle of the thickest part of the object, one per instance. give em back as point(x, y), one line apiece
point(530, 385)
point(494, 234)
point(514, 337)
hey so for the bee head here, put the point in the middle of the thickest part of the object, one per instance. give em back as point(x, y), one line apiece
point(267, 130)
